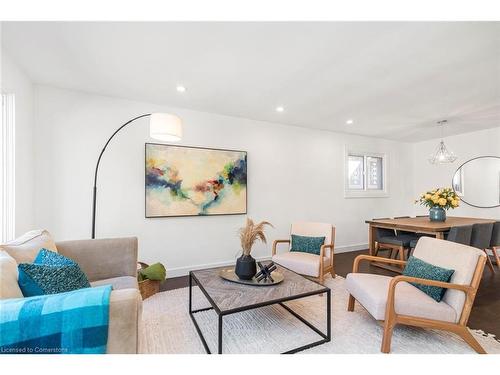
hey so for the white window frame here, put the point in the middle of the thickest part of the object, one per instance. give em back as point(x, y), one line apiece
point(7, 168)
point(366, 193)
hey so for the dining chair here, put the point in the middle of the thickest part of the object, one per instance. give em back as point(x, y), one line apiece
point(460, 234)
point(481, 239)
point(383, 232)
point(304, 263)
point(398, 241)
point(495, 242)
point(395, 300)
point(379, 232)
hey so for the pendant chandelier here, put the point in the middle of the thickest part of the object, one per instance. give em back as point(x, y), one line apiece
point(442, 155)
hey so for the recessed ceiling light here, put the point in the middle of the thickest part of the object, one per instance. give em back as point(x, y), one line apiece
point(280, 109)
point(181, 88)
point(349, 122)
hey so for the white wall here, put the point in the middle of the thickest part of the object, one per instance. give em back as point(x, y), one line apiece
point(14, 81)
point(293, 174)
point(465, 146)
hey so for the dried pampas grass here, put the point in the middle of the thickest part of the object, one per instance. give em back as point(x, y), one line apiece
point(250, 233)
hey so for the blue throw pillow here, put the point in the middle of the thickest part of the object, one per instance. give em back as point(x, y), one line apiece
point(50, 273)
point(306, 244)
point(418, 268)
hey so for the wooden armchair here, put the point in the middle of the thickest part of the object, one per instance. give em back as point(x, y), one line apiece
point(311, 265)
point(394, 301)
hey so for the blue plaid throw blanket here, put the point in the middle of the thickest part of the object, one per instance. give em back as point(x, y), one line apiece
point(72, 322)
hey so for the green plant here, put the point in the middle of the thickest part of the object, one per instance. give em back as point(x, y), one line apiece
point(153, 272)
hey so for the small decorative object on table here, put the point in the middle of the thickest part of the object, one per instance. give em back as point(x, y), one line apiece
point(267, 276)
point(149, 278)
point(245, 265)
point(265, 272)
point(439, 200)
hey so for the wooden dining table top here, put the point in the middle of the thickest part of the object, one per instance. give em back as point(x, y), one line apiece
point(424, 224)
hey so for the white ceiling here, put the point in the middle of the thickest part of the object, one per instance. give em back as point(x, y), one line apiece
point(394, 79)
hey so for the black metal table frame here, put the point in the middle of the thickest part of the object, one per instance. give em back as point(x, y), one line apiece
point(325, 337)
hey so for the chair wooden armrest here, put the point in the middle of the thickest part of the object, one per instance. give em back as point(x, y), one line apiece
point(390, 311)
point(359, 258)
point(326, 246)
point(416, 280)
point(276, 242)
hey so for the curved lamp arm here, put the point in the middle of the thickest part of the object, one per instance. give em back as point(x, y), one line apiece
point(97, 169)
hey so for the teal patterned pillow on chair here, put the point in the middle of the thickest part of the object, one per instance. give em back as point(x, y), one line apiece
point(418, 268)
point(306, 244)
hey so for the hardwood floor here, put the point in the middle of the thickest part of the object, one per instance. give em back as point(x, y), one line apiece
point(485, 314)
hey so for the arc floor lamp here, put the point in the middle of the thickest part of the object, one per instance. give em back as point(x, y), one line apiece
point(162, 126)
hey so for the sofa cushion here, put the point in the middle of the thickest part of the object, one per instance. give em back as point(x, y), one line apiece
point(302, 263)
point(50, 273)
point(371, 292)
point(9, 287)
point(24, 249)
point(123, 282)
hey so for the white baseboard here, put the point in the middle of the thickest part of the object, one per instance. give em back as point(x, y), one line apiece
point(349, 248)
point(183, 271)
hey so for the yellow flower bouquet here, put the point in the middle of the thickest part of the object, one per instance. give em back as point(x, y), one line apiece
point(443, 198)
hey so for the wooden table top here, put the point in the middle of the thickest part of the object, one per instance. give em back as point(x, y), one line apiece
point(228, 295)
point(424, 224)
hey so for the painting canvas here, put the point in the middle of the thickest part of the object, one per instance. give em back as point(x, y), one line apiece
point(192, 181)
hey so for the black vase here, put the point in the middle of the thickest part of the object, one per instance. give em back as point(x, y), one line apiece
point(246, 268)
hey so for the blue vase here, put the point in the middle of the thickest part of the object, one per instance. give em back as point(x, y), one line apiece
point(437, 214)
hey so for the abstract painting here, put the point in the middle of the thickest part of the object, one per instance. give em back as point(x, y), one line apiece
point(194, 181)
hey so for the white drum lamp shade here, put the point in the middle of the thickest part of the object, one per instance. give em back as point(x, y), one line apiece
point(165, 127)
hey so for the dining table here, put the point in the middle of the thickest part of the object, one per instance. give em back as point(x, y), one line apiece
point(419, 224)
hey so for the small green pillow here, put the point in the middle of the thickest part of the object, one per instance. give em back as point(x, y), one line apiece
point(418, 268)
point(305, 244)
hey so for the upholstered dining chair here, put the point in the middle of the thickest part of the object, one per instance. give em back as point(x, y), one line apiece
point(304, 263)
point(461, 234)
point(380, 233)
point(396, 241)
point(495, 242)
point(394, 300)
point(481, 239)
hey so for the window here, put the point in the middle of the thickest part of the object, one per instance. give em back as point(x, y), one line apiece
point(365, 175)
point(7, 169)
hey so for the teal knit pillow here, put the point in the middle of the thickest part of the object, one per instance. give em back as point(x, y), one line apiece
point(305, 244)
point(418, 268)
point(50, 273)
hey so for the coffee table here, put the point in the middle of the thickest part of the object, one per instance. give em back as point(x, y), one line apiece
point(226, 297)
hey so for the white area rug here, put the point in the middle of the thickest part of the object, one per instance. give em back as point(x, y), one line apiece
point(167, 328)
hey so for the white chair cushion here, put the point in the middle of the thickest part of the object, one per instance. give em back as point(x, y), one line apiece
point(24, 249)
point(371, 292)
point(9, 288)
point(311, 229)
point(302, 263)
point(451, 255)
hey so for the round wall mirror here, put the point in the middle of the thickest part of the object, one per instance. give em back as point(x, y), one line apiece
point(477, 182)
